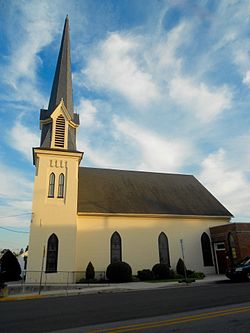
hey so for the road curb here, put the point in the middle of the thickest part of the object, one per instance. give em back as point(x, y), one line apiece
point(20, 298)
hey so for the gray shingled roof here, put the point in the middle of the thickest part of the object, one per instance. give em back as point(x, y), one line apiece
point(118, 191)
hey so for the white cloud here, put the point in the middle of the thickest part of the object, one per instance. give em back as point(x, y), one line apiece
point(246, 79)
point(166, 48)
point(14, 185)
point(116, 66)
point(206, 103)
point(228, 184)
point(22, 139)
point(15, 197)
point(157, 153)
point(38, 28)
point(88, 112)
point(99, 157)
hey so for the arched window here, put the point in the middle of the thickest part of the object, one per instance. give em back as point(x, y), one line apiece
point(232, 247)
point(116, 248)
point(61, 186)
point(206, 250)
point(163, 249)
point(51, 185)
point(52, 254)
point(60, 131)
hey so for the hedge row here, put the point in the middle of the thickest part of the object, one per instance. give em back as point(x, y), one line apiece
point(122, 272)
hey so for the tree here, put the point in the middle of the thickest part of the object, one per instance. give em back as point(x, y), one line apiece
point(10, 268)
point(90, 271)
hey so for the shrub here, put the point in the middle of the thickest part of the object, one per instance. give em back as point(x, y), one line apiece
point(90, 272)
point(180, 267)
point(145, 274)
point(189, 272)
point(2, 284)
point(119, 272)
point(173, 275)
point(161, 271)
point(197, 275)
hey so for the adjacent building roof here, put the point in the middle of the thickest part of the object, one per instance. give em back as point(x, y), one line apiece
point(134, 192)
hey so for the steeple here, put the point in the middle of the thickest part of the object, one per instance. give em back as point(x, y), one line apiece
point(62, 84)
point(59, 122)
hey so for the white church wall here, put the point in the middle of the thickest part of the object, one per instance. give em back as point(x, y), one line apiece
point(139, 237)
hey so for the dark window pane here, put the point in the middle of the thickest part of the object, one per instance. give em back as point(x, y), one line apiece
point(163, 249)
point(206, 250)
point(116, 251)
point(61, 186)
point(52, 254)
point(51, 185)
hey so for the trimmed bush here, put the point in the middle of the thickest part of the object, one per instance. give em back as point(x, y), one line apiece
point(197, 275)
point(189, 272)
point(119, 272)
point(180, 267)
point(161, 271)
point(173, 275)
point(145, 275)
point(90, 272)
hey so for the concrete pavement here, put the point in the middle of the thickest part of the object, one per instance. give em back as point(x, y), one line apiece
point(25, 293)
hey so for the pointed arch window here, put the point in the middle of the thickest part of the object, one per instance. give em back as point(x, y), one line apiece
point(61, 186)
point(116, 248)
point(60, 132)
point(163, 246)
point(232, 247)
point(52, 254)
point(206, 250)
point(51, 185)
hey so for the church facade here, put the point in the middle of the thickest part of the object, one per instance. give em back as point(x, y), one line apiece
point(82, 214)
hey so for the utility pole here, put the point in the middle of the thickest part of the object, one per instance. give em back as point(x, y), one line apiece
point(41, 275)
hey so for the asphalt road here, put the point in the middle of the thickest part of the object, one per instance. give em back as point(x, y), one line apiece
point(58, 313)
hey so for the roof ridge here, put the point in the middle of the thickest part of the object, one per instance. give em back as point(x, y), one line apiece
point(138, 171)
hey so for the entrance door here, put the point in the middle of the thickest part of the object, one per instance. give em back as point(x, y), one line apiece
point(221, 261)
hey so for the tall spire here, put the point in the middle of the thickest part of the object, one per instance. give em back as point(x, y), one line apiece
point(59, 128)
point(62, 84)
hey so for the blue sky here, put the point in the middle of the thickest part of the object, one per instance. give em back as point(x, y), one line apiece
point(159, 85)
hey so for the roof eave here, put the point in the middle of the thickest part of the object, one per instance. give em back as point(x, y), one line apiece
point(155, 215)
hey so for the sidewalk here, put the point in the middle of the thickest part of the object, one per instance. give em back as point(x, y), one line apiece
point(80, 289)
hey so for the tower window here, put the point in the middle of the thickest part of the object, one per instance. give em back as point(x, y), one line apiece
point(52, 254)
point(60, 132)
point(61, 186)
point(51, 185)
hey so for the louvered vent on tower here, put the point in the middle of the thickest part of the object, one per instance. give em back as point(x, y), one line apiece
point(60, 132)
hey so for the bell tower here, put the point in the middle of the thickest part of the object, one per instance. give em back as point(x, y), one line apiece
point(52, 246)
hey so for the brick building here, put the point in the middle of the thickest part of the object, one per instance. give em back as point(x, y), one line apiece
point(231, 243)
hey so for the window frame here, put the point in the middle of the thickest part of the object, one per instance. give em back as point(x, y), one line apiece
point(51, 190)
point(206, 250)
point(61, 185)
point(52, 254)
point(163, 245)
point(115, 247)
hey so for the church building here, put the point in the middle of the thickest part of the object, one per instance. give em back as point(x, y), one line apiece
point(82, 214)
